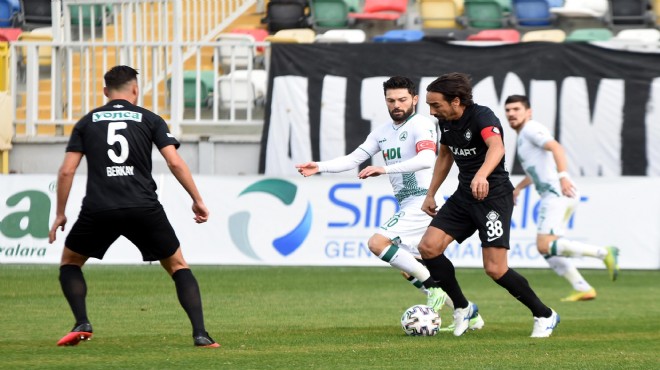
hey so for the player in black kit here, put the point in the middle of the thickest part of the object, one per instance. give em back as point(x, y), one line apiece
point(121, 199)
point(471, 136)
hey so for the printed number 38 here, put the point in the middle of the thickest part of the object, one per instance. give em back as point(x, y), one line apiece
point(114, 137)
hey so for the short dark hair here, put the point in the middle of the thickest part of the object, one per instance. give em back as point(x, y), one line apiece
point(400, 82)
point(117, 76)
point(453, 85)
point(518, 99)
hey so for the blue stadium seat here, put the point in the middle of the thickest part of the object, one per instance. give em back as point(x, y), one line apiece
point(532, 13)
point(10, 13)
point(400, 36)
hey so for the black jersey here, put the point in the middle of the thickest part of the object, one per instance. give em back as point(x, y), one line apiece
point(117, 140)
point(463, 136)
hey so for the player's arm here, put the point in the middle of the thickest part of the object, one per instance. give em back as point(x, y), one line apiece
point(180, 170)
point(525, 182)
point(339, 164)
point(443, 164)
point(64, 182)
point(424, 159)
point(494, 155)
point(567, 186)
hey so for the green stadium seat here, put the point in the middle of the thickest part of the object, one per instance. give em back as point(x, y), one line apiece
point(589, 34)
point(190, 95)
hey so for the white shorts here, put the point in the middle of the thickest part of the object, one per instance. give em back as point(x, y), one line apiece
point(554, 213)
point(406, 227)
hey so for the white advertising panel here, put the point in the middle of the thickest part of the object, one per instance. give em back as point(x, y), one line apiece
point(324, 221)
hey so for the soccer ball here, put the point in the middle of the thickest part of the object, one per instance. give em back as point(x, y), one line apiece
point(420, 320)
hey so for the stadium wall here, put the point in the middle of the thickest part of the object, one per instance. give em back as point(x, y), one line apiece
point(323, 221)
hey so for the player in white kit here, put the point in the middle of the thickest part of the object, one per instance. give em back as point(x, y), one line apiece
point(408, 145)
point(545, 165)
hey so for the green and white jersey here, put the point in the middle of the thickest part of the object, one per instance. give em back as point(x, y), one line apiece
point(538, 163)
point(399, 143)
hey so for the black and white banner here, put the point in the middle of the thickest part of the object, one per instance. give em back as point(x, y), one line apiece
point(603, 105)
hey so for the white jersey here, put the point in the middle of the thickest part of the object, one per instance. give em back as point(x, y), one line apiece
point(400, 143)
point(538, 163)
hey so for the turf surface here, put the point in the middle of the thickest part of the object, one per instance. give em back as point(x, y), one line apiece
point(324, 318)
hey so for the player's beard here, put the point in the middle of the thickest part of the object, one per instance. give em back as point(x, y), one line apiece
point(403, 117)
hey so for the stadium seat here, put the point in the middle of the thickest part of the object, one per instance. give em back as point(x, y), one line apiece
point(241, 90)
point(10, 13)
point(381, 10)
point(531, 13)
point(354, 6)
point(329, 13)
point(589, 34)
point(83, 14)
point(554, 35)
point(555, 3)
point(258, 34)
point(4, 66)
point(642, 35)
point(505, 35)
point(353, 36)
point(400, 36)
point(43, 34)
point(190, 94)
point(656, 11)
point(286, 14)
point(37, 13)
point(630, 12)
point(293, 35)
point(582, 9)
point(236, 50)
point(438, 13)
point(505, 4)
point(484, 14)
point(10, 34)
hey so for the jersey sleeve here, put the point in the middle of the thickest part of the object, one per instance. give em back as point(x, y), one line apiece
point(426, 136)
point(538, 135)
point(75, 143)
point(161, 134)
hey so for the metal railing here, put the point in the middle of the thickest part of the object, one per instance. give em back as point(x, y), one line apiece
point(55, 83)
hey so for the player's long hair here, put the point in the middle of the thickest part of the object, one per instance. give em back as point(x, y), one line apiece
point(453, 85)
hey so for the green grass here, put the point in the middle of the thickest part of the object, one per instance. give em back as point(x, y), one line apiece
point(313, 317)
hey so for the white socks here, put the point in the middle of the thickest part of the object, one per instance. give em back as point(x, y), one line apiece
point(404, 261)
point(570, 248)
point(565, 268)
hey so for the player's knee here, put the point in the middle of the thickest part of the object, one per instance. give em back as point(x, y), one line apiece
point(543, 243)
point(495, 271)
point(376, 245)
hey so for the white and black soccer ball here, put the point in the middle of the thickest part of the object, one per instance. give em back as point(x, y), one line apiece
point(420, 320)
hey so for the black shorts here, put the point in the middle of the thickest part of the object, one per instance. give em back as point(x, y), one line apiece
point(148, 228)
point(460, 218)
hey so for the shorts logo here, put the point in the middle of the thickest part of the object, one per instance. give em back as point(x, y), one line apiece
point(286, 244)
point(494, 225)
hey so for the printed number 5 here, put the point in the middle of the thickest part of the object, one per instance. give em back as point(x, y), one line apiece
point(113, 138)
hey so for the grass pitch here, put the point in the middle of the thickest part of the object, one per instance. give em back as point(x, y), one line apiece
point(319, 318)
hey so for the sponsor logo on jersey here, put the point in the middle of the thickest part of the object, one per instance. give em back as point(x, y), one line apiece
point(463, 152)
point(119, 115)
point(392, 153)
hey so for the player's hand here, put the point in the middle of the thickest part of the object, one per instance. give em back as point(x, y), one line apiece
point(516, 192)
point(201, 212)
point(567, 187)
point(429, 206)
point(480, 187)
point(371, 171)
point(59, 222)
point(308, 169)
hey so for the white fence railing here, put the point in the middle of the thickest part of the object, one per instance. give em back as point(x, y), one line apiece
point(170, 42)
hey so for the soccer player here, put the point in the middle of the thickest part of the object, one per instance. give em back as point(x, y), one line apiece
point(121, 199)
point(483, 201)
point(545, 165)
point(408, 145)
